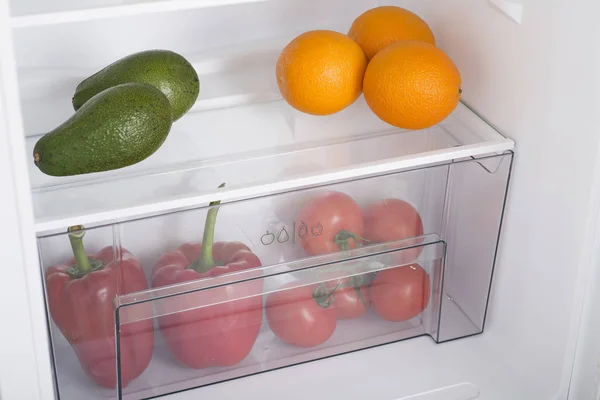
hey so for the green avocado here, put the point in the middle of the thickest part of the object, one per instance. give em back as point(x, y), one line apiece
point(163, 69)
point(118, 127)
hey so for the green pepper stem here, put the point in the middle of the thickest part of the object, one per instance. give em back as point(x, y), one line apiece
point(76, 234)
point(206, 261)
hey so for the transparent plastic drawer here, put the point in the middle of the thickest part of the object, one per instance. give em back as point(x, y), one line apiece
point(192, 298)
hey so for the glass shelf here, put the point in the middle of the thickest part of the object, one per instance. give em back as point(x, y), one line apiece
point(289, 152)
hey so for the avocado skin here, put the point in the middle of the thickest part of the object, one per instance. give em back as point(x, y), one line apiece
point(118, 127)
point(168, 71)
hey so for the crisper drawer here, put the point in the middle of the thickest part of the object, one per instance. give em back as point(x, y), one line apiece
point(210, 294)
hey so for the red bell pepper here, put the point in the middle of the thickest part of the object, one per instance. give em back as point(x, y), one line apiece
point(80, 298)
point(223, 331)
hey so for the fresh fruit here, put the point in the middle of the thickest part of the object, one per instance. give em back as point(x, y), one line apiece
point(379, 27)
point(330, 222)
point(163, 69)
point(216, 326)
point(412, 85)
point(400, 293)
point(118, 127)
point(301, 315)
point(391, 220)
point(321, 72)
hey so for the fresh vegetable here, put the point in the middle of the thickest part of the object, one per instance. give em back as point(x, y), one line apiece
point(351, 300)
point(80, 299)
point(330, 222)
point(350, 297)
point(400, 293)
point(163, 69)
point(301, 315)
point(394, 219)
point(225, 321)
point(119, 127)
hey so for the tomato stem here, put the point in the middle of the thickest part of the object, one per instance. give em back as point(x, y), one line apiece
point(206, 261)
point(362, 281)
point(323, 296)
point(360, 296)
point(342, 239)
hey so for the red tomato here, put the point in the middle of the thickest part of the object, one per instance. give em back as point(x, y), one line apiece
point(401, 293)
point(394, 219)
point(296, 316)
point(349, 296)
point(328, 223)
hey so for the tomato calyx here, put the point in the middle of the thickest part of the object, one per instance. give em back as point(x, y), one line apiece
point(343, 237)
point(206, 261)
point(323, 296)
point(83, 264)
point(326, 297)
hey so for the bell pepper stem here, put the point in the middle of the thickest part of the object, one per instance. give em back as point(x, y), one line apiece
point(207, 261)
point(76, 234)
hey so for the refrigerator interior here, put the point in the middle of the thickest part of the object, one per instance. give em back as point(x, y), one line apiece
point(512, 77)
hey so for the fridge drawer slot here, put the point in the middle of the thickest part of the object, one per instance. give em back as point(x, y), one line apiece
point(427, 235)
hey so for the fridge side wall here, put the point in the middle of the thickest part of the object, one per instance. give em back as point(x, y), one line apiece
point(534, 81)
point(24, 340)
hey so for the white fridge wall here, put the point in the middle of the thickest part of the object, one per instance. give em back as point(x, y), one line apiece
point(533, 81)
point(25, 371)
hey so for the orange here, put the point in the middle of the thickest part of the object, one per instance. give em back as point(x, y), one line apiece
point(321, 72)
point(412, 85)
point(379, 27)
